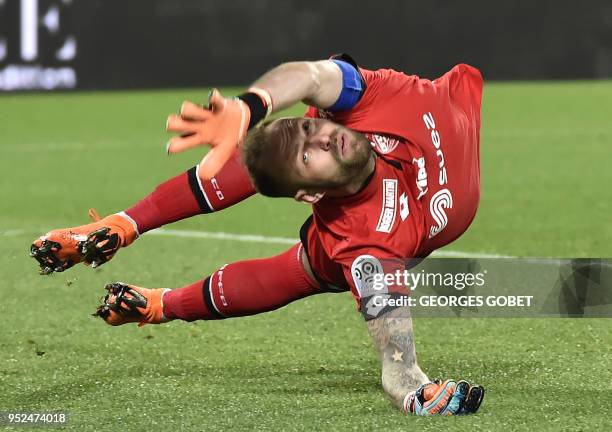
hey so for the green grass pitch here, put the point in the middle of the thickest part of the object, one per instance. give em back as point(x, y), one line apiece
point(546, 176)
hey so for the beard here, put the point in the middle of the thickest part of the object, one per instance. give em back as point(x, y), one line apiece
point(351, 167)
point(359, 159)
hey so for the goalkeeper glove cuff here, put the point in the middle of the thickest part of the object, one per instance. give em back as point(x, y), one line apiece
point(259, 102)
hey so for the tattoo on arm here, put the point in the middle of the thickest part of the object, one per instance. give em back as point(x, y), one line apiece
point(393, 337)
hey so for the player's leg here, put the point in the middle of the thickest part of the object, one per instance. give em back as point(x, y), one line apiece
point(188, 195)
point(237, 289)
point(180, 197)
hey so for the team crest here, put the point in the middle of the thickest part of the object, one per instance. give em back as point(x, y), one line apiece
point(384, 144)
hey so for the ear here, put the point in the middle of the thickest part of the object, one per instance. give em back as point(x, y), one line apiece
point(307, 197)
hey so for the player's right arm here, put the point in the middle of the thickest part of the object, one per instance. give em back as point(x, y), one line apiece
point(316, 83)
point(329, 84)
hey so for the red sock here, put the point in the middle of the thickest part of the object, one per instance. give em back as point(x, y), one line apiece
point(187, 195)
point(243, 288)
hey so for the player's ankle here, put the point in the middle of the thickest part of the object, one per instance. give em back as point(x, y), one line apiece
point(155, 311)
point(163, 318)
point(126, 224)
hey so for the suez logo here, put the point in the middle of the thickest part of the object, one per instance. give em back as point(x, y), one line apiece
point(442, 199)
point(435, 140)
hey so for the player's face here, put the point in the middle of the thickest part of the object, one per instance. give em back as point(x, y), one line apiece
point(325, 154)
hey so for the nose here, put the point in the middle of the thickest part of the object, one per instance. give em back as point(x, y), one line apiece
point(323, 141)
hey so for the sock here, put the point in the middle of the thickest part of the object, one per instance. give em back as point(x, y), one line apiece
point(243, 288)
point(187, 195)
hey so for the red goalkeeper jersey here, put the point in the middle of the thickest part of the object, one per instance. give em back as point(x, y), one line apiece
point(425, 189)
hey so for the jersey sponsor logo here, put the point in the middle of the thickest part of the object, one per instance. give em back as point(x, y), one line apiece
point(443, 199)
point(439, 202)
point(363, 270)
point(437, 143)
point(421, 180)
point(389, 206)
point(384, 144)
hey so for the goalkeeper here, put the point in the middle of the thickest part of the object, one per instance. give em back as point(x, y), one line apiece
point(389, 163)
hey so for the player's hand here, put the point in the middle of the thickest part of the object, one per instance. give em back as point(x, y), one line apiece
point(447, 398)
point(222, 126)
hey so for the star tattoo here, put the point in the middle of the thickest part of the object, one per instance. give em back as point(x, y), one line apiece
point(397, 356)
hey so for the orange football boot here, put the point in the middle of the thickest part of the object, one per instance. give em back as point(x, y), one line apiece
point(94, 243)
point(125, 304)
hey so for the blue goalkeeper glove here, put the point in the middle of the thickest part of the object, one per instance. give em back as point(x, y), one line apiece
point(448, 398)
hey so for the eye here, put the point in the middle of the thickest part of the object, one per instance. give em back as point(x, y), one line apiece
point(305, 158)
point(306, 126)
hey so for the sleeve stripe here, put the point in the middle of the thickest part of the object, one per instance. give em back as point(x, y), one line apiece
point(198, 190)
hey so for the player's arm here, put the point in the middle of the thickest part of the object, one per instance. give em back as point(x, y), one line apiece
point(318, 84)
point(329, 84)
point(393, 337)
point(402, 379)
point(391, 329)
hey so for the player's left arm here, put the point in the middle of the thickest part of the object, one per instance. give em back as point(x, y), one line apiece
point(393, 337)
point(391, 329)
point(403, 380)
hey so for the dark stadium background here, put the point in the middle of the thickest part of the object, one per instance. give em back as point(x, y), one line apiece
point(161, 43)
